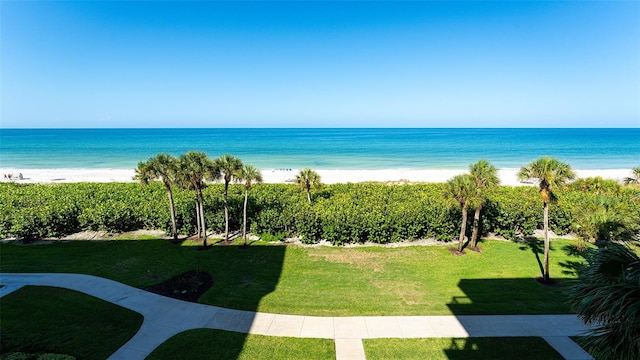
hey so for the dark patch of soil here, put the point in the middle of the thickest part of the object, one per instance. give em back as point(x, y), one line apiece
point(551, 283)
point(476, 249)
point(455, 251)
point(188, 286)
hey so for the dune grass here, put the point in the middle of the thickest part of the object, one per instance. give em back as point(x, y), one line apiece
point(415, 280)
point(521, 348)
point(219, 344)
point(40, 319)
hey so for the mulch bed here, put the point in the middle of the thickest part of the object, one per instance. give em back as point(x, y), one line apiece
point(455, 252)
point(188, 286)
point(476, 249)
point(551, 283)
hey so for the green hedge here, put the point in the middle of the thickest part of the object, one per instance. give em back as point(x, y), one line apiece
point(341, 213)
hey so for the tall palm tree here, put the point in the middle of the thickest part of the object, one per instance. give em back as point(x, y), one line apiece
point(550, 173)
point(635, 177)
point(194, 168)
point(229, 166)
point(249, 175)
point(484, 174)
point(165, 168)
point(461, 189)
point(307, 179)
point(607, 296)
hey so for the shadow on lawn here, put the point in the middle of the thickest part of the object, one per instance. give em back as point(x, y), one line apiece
point(242, 276)
point(570, 267)
point(500, 348)
point(537, 248)
point(581, 257)
point(486, 296)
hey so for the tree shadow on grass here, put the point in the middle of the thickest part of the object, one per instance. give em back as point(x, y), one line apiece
point(525, 296)
point(517, 296)
point(242, 276)
point(500, 348)
point(534, 245)
point(582, 256)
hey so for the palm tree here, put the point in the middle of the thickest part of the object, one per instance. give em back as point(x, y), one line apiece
point(550, 174)
point(165, 168)
point(248, 174)
point(604, 218)
point(194, 167)
point(461, 189)
point(484, 174)
point(635, 177)
point(596, 185)
point(307, 179)
point(607, 295)
point(229, 166)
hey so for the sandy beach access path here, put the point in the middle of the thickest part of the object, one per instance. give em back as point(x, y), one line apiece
point(507, 176)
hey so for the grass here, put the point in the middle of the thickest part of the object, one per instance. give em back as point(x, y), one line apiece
point(460, 348)
point(219, 344)
point(324, 281)
point(39, 319)
point(293, 280)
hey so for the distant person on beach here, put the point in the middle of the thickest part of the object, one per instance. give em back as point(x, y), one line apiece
point(20, 176)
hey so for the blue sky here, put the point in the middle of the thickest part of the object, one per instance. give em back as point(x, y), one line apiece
point(320, 64)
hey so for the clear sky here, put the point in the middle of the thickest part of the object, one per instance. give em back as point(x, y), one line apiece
point(320, 64)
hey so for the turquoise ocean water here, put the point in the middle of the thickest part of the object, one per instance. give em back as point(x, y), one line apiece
point(323, 148)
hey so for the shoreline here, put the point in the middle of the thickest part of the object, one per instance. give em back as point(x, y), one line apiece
point(508, 176)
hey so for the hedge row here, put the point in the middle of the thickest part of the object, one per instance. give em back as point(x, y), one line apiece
point(341, 213)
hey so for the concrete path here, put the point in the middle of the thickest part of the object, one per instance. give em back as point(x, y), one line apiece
point(165, 317)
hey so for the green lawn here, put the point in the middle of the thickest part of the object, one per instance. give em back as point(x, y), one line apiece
point(520, 348)
point(38, 319)
point(218, 344)
point(324, 281)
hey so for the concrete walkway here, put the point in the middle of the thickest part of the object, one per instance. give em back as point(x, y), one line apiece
point(165, 317)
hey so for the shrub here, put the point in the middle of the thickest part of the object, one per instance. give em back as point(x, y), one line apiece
point(341, 213)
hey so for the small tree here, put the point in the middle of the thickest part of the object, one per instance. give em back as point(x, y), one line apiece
point(550, 174)
point(229, 166)
point(248, 174)
point(485, 177)
point(596, 185)
point(461, 189)
point(163, 167)
point(604, 218)
point(193, 168)
point(307, 179)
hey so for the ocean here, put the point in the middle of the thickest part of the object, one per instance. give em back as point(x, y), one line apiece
point(367, 149)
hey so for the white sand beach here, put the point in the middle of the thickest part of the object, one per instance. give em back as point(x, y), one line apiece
point(507, 176)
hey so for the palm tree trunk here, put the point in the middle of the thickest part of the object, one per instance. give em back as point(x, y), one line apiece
point(198, 216)
point(172, 208)
point(244, 217)
point(476, 225)
point(204, 225)
point(463, 228)
point(226, 213)
point(202, 221)
point(309, 196)
point(546, 241)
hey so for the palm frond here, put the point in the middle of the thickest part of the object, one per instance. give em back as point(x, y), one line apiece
point(607, 295)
